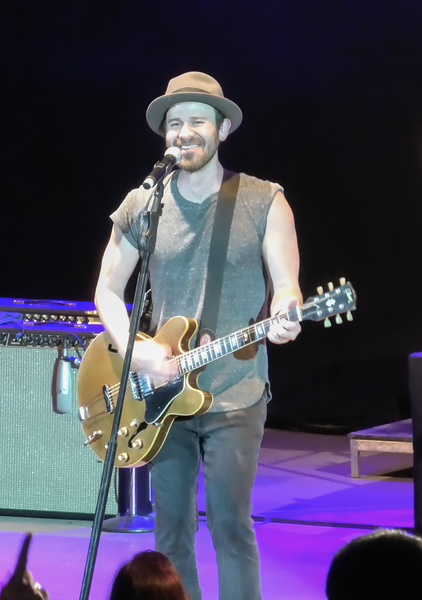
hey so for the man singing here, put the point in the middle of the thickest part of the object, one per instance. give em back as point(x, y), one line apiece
point(194, 116)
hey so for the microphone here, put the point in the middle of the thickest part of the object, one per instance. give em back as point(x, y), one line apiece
point(63, 383)
point(171, 158)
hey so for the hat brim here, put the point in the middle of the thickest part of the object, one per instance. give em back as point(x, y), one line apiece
point(158, 108)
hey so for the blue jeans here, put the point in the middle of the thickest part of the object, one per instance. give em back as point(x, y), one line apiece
point(228, 443)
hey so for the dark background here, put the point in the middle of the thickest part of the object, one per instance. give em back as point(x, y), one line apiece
point(332, 100)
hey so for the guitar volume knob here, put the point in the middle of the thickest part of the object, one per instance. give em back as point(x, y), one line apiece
point(123, 432)
point(137, 444)
point(124, 457)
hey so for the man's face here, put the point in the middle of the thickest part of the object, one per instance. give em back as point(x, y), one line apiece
point(191, 127)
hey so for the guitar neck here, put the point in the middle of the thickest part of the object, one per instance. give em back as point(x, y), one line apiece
point(203, 355)
point(336, 301)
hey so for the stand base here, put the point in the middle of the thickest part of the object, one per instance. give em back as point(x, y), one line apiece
point(129, 524)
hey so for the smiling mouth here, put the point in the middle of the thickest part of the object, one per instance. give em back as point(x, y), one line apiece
point(189, 147)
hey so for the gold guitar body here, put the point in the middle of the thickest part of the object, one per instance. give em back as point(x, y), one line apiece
point(138, 442)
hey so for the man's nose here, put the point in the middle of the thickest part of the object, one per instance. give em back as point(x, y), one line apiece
point(185, 131)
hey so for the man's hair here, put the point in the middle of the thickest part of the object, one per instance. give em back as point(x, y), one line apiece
point(385, 564)
point(148, 575)
point(219, 118)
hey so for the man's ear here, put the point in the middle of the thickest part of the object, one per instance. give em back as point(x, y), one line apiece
point(224, 130)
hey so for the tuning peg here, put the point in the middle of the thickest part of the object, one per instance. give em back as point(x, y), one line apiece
point(349, 316)
point(330, 286)
point(320, 290)
point(339, 320)
point(327, 322)
point(342, 281)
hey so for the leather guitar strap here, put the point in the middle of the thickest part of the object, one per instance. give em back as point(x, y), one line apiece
point(217, 256)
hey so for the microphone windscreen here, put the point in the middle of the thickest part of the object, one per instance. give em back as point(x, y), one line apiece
point(174, 151)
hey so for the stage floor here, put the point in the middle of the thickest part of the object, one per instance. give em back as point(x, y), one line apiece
point(306, 507)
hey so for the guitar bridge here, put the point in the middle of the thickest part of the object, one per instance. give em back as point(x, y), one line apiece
point(141, 386)
point(108, 399)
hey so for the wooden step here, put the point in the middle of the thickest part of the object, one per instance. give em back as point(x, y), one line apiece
point(392, 437)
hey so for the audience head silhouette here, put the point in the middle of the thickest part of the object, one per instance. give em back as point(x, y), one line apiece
point(385, 564)
point(148, 575)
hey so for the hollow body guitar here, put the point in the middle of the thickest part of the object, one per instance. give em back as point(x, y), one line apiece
point(149, 412)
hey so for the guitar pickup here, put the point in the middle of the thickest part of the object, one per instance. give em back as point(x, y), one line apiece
point(141, 386)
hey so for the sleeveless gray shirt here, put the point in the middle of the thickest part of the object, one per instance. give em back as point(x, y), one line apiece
point(178, 272)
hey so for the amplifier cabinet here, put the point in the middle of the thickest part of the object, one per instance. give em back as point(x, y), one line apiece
point(45, 467)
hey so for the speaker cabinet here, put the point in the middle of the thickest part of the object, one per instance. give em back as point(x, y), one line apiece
point(45, 467)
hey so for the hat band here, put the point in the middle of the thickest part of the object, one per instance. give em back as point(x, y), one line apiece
point(189, 89)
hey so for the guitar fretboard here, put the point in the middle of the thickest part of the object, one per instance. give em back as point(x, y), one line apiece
point(203, 355)
point(336, 301)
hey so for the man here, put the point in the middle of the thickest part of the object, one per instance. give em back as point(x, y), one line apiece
point(194, 116)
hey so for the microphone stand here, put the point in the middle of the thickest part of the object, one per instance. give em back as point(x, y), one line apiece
point(147, 242)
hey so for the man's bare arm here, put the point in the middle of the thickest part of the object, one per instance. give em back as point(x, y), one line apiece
point(119, 261)
point(281, 258)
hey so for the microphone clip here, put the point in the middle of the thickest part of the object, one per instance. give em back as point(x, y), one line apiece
point(163, 167)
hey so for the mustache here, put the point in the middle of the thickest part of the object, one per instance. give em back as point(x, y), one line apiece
point(187, 141)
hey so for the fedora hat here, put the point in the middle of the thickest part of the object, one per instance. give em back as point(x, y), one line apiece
point(192, 87)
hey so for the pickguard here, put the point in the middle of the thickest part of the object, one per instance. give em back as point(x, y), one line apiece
point(157, 403)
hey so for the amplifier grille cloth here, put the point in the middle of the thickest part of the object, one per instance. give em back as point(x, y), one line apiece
point(44, 464)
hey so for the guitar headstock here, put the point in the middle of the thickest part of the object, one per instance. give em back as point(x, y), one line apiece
point(334, 302)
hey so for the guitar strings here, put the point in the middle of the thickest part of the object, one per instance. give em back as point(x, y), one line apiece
point(206, 348)
point(239, 335)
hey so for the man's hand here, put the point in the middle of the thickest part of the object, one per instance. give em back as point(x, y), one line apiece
point(21, 586)
point(154, 359)
point(284, 331)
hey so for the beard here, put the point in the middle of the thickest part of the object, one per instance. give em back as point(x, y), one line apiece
point(192, 160)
